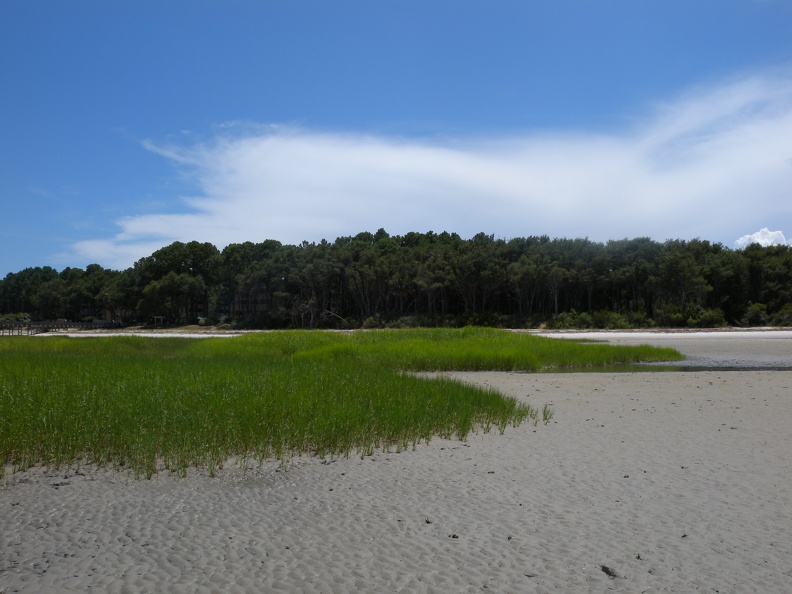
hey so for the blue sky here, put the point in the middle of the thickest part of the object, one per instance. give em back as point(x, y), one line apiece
point(125, 126)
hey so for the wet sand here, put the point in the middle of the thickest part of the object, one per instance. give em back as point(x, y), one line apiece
point(642, 482)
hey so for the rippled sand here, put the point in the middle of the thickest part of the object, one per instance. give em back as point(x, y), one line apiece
point(643, 482)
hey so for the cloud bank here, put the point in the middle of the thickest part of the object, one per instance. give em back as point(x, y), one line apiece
point(714, 163)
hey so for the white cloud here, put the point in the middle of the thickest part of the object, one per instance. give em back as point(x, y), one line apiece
point(763, 237)
point(707, 165)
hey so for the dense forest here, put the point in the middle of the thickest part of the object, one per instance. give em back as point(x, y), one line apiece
point(422, 279)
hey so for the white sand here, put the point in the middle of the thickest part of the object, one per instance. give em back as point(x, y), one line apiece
point(676, 481)
point(711, 348)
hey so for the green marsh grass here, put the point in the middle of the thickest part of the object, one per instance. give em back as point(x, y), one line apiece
point(174, 403)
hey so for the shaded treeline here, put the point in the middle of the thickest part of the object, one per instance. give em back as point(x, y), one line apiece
point(374, 279)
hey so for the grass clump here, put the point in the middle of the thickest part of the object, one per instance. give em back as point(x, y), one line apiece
point(147, 403)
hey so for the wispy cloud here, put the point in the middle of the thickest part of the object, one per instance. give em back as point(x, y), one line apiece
point(712, 164)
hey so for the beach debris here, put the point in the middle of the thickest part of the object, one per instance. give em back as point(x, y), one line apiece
point(608, 571)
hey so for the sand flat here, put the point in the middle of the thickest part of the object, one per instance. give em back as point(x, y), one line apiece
point(751, 349)
point(673, 481)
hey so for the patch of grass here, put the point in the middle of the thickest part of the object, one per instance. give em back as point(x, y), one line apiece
point(476, 349)
point(149, 403)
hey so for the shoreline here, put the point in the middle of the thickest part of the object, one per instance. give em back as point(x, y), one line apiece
point(602, 334)
point(675, 481)
point(771, 350)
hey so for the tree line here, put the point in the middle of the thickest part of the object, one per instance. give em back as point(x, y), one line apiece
point(423, 279)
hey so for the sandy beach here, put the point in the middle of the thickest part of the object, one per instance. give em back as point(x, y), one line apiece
point(642, 482)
